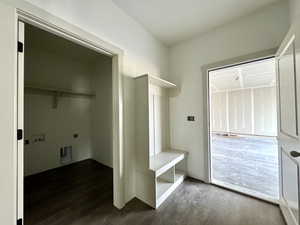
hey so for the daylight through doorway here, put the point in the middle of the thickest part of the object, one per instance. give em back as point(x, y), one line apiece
point(243, 129)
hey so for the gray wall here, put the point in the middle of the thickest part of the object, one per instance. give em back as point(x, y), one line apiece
point(294, 10)
point(101, 128)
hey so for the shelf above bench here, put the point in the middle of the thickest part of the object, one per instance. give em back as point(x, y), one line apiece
point(158, 81)
point(163, 161)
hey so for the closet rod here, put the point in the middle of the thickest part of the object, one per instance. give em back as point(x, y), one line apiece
point(55, 91)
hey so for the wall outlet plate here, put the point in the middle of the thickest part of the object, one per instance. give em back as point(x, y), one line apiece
point(38, 138)
point(66, 154)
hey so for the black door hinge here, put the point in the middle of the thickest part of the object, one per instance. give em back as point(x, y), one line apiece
point(20, 46)
point(20, 134)
point(19, 222)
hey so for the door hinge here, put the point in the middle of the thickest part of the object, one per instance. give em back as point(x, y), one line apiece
point(20, 46)
point(20, 134)
point(19, 222)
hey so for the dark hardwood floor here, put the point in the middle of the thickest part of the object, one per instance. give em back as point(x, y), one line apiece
point(81, 194)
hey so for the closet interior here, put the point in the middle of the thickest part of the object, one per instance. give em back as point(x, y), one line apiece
point(67, 124)
point(68, 130)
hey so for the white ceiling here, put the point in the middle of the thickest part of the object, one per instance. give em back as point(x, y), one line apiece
point(251, 75)
point(172, 21)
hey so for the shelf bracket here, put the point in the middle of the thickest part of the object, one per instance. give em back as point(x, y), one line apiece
point(55, 99)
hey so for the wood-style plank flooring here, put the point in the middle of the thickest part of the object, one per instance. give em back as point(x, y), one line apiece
point(81, 194)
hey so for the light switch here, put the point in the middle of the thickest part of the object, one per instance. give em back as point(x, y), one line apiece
point(191, 118)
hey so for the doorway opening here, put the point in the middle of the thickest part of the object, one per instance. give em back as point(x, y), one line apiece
point(243, 128)
point(67, 159)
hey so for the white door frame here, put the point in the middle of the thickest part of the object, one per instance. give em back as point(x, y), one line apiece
point(20, 123)
point(43, 20)
point(220, 65)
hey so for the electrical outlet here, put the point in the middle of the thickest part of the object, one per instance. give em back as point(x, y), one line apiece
point(66, 154)
point(38, 138)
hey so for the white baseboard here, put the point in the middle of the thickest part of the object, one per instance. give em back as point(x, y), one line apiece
point(288, 216)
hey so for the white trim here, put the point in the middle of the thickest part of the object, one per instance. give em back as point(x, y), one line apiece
point(208, 94)
point(290, 43)
point(63, 32)
point(292, 39)
point(225, 66)
point(287, 214)
point(20, 123)
point(40, 18)
point(157, 81)
point(245, 191)
point(242, 134)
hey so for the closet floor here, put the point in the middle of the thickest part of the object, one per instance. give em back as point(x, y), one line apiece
point(82, 193)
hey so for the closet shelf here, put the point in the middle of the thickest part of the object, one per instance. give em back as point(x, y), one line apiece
point(57, 91)
point(163, 161)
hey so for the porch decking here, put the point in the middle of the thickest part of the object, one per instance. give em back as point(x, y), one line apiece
point(248, 162)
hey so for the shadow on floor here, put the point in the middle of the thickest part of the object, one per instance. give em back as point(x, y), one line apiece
point(81, 194)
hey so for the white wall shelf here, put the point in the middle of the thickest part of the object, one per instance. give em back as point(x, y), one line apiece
point(158, 81)
point(56, 92)
point(156, 163)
